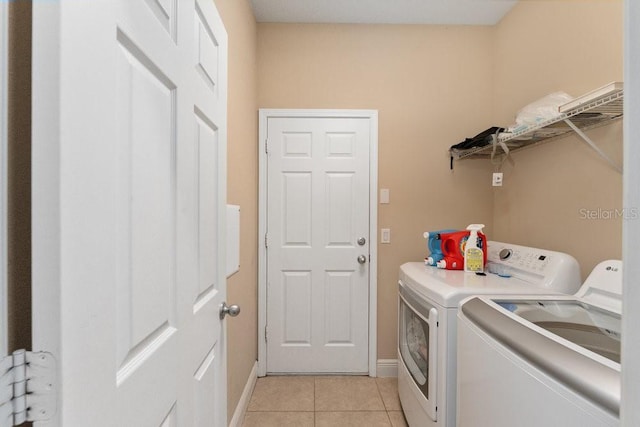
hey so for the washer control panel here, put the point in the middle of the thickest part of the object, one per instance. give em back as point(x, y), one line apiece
point(554, 270)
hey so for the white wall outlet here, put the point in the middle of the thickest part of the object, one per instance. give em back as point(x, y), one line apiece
point(385, 235)
point(384, 196)
point(497, 179)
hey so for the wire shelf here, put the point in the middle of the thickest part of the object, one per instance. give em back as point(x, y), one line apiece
point(585, 116)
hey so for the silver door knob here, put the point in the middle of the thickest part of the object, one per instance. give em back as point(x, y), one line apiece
point(362, 259)
point(231, 310)
point(362, 241)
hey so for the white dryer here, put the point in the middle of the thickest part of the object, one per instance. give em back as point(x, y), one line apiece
point(542, 361)
point(428, 305)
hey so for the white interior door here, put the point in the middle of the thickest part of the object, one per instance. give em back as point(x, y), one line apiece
point(129, 189)
point(317, 210)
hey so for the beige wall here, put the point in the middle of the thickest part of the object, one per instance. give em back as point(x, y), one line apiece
point(542, 47)
point(242, 155)
point(242, 185)
point(431, 86)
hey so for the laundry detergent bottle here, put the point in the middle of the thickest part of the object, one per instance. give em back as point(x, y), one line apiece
point(474, 255)
point(453, 250)
point(434, 244)
point(450, 263)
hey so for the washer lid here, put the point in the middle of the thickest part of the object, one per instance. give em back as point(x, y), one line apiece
point(448, 287)
point(588, 326)
point(594, 377)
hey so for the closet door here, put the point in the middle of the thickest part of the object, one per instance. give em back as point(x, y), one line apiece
point(129, 190)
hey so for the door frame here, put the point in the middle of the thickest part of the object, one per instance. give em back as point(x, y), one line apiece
point(264, 115)
point(4, 163)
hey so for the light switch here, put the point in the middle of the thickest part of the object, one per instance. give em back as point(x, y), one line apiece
point(385, 235)
point(384, 196)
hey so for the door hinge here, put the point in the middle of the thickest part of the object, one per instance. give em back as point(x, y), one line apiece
point(266, 146)
point(266, 240)
point(27, 387)
point(265, 333)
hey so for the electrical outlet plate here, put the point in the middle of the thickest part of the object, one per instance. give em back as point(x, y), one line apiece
point(497, 179)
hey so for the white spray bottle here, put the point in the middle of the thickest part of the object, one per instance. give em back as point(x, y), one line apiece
point(473, 255)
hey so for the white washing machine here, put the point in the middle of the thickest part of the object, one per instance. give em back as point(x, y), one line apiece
point(542, 361)
point(428, 305)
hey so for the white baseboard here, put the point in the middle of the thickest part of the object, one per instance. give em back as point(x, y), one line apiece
point(243, 404)
point(387, 368)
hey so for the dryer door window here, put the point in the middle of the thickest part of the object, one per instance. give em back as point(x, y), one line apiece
point(414, 347)
point(418, 343)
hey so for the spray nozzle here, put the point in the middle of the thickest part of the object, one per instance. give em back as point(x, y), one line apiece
point(475, 227)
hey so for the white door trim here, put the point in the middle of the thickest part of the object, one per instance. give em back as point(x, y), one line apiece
point(264, 114)
point(629, 414)
point(4, 59)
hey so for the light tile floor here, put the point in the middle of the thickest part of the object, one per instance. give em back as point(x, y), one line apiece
point(325, 401)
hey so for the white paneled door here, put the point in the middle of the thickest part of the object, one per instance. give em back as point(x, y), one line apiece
point(318, 244)
point(129, 189)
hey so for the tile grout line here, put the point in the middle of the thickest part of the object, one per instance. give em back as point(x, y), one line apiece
point(384, 404)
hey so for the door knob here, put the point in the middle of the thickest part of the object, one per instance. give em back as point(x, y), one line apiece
point(231, 310)
point(362, 241)
point(362, 259)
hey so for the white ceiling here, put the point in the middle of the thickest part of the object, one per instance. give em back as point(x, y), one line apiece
point(450, 12)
